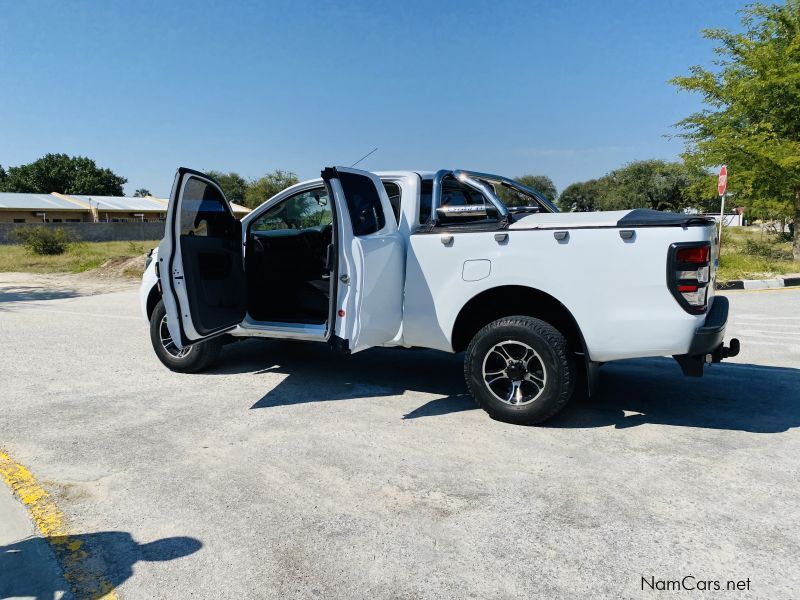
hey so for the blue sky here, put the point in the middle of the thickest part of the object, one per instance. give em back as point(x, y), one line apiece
point(570, 89)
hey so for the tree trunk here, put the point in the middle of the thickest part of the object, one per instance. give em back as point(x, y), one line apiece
point(796, 244)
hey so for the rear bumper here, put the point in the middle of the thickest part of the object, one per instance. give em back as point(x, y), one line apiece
point(711, 333)
point(707, 344)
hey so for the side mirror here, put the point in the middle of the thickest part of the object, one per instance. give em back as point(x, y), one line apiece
point(469, 211)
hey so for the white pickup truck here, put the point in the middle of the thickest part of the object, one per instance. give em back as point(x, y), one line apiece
point(453, 260)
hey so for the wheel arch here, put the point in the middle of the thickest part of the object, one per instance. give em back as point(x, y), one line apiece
point(508, 300)
point(152, 299)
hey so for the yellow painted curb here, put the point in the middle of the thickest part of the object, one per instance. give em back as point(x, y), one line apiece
point(49, 520)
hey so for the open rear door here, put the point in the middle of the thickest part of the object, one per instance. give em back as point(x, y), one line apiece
point(200, 262)
point(370, 262)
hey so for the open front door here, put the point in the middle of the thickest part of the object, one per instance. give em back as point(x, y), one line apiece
point(370, 264)
point(200, 261)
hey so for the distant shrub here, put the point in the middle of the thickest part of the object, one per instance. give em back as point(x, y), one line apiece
point(134, 248)
point(44, 241)
point(769, 250)
point(727, 236)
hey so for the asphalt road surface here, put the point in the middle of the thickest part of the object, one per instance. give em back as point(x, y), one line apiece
point(287, 472)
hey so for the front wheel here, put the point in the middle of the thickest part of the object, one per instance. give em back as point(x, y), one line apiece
point(519, 370)
point(188, 359)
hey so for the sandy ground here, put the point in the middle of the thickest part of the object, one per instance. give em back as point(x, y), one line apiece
point(24, 287)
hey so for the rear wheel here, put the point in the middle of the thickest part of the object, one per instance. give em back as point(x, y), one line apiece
point(519, 370)
point(188, 359)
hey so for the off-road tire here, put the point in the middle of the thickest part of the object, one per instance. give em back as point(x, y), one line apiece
point(553, 355)
point(199, 357)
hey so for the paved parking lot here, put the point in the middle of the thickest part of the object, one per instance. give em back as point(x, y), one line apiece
point(290, 473)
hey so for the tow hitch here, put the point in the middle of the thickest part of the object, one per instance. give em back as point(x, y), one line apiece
point(708, 345)
point(723, 352)
point(692, 364)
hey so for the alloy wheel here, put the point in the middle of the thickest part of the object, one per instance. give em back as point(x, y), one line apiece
point(514, 373)
point(168, 344)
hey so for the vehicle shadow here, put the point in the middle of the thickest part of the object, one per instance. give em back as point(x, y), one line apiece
point(10, 294)
point(315, 374)
point(732, 396)
point(741, 397)
point(94, 563)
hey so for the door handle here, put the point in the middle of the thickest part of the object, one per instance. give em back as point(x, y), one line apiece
point(345, 278)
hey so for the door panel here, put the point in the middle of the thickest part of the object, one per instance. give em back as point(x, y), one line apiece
point(200, 260)
point(371, 259)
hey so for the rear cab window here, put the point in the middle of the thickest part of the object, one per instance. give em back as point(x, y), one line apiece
point(395, 196)
point(454, 193)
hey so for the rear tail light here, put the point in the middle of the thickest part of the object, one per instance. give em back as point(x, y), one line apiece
point(694, 254)
point(688, 275)
point(700, 274)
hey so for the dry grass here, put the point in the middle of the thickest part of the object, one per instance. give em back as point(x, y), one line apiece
point(79, 257)
point(749, 253)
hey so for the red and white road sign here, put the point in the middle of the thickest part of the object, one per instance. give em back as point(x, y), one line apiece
point(722, 184)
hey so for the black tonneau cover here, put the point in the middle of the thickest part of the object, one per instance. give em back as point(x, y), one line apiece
point(647, 217)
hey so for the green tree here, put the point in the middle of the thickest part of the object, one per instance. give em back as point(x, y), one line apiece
point(701, 193)
point(3, 177)
point(541, 183)
point(751, 121)
point(584, 196)
point(64, 174)
point(655, 184)
point(266, 187)
point(141, 193)
point(768, 209)
point(233, 185)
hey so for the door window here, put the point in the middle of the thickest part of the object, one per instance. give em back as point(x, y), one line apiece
point(363, 203)
point(204, 211)
point(301, 211)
